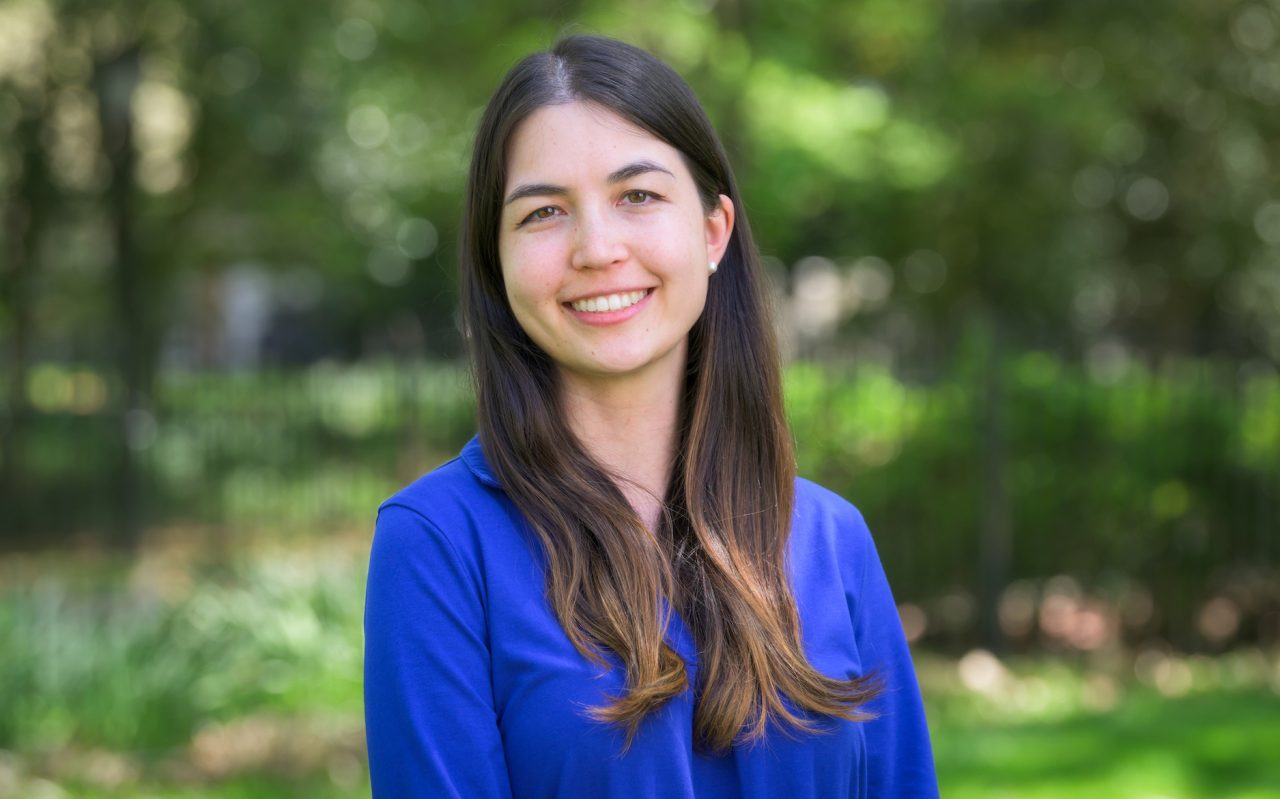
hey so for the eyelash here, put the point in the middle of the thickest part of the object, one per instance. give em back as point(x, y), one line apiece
point(533, 217)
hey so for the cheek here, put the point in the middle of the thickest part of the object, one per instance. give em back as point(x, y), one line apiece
point(530, 273)
point(678, 250)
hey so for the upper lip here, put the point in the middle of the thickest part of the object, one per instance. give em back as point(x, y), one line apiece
point(606, 293)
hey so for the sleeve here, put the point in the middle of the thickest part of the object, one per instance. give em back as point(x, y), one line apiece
point(899, 755)
point(430, 721)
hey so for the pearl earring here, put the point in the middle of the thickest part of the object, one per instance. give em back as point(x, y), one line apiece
point(711, 266)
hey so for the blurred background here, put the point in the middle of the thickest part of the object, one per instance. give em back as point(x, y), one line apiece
point(1026, 262)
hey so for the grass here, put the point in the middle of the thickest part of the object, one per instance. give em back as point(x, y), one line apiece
point(179, 676)
point(1213, 741)
point(250, 787)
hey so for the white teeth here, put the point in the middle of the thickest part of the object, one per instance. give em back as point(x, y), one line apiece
point(609, 302)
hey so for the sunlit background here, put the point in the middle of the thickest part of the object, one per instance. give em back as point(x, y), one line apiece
point(1026, 263)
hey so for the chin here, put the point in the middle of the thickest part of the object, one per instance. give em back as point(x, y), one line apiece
point(617, 366)
point(620, 362)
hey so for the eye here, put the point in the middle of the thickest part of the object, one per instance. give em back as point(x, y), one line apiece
point(638, 197)
point(545, 212)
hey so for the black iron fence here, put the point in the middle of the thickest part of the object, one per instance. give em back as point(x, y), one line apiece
point(1049, 506)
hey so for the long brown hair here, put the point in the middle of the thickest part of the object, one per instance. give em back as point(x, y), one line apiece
point(719, 555)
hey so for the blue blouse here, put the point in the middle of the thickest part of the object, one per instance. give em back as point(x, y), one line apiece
point(473, 690)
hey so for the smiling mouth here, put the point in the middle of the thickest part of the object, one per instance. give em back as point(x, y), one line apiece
point(609, 302)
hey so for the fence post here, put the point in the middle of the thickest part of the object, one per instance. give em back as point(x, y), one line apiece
point(995, 531)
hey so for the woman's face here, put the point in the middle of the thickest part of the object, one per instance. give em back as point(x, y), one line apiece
point(605, 243)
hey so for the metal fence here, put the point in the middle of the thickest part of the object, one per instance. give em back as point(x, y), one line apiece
point(1049, 507)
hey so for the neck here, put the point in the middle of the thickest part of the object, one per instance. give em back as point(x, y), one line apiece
point(629, 428)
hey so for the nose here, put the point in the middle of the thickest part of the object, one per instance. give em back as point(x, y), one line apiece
point(597, 242)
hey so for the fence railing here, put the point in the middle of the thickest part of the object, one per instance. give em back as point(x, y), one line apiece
point(1144, 505)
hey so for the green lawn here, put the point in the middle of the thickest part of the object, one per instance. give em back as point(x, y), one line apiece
point(246, 787)
point(1213, 743)
point(179, 678)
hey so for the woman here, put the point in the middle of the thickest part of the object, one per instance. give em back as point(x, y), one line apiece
point(620, 588)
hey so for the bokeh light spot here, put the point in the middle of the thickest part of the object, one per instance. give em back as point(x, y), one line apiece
point(1218, 620)
point(1147, 199)
point(1253, 28)
point(417, 237)
point(1093, 186)
point(355, 39)
point(1170, 500)
point(924, 271)
point(1267, 222)
point(368, 126)
point(389, 267)
point(915, 622)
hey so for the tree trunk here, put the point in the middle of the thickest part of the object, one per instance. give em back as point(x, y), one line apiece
point(23, 221)
point(115, 80)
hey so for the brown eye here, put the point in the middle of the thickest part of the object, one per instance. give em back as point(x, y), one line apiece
point(546, 212)
point(637, 197)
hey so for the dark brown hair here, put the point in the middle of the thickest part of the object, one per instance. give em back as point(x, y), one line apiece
point(719, 556)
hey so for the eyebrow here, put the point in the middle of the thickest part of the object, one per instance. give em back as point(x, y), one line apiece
point(634, 169)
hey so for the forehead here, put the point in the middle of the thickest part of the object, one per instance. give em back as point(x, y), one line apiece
point(581, 140)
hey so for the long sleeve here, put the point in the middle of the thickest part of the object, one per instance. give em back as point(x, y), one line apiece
point(900, 758)
point(429, 712)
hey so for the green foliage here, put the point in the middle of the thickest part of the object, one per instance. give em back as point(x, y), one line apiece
point(1126, 479)
point(1154, 477)
point(1084, 170)
point(300, 450)
point(1096, 177)
point(90, 664)
point(101, 671)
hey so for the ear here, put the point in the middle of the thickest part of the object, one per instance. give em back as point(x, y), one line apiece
point(719, 228)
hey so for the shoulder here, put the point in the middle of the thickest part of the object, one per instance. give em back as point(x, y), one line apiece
point(828, 531)
point(459, 487)
point(454, 502)
point(450, 481)
point(821, 511)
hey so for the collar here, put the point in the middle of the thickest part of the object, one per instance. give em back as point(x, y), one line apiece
point(473, 456)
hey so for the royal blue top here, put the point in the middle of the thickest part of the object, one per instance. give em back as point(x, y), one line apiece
point(473, 690)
